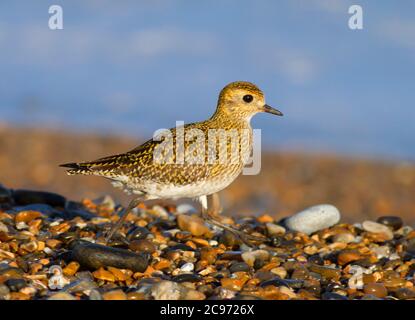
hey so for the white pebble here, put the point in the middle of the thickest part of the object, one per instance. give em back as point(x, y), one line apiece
point(213, 243)
point(185, 208)
point(187, 267)
point(314, 219)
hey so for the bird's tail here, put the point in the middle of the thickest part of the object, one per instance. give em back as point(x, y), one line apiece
point(102, 167)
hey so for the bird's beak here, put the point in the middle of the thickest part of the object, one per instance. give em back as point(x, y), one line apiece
point(271, 110)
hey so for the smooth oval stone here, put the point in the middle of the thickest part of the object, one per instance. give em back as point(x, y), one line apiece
point(24, 197)
point(376, 289)
point(94, 256)
point(313, 219)
point(275, 229)
point(391, 221)
point(239, 266)
point(374, 227)
point(138, 233)
point(187, 277)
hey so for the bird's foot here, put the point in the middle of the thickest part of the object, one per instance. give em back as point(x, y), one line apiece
point(246, 238)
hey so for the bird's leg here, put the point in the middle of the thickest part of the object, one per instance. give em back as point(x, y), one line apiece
point(133, 203)
point(214, 206)
point(210, 218)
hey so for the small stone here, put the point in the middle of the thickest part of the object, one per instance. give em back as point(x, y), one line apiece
point(160, 212)
point(376, 289)
point(71, 268)
point(187, 267)
point(193, 224)
point(3, 228)
point(231, 284)
point(327, 273)
point(15, 284)
point(138, 233)
point(313, 219)
point(103, 274)
point(377, 228)
point(187, 277)
point(4, 292)
point(135, 296)
point(95, 295)
point(27, 216)
point(250, 257)
point(239, 267)
point(274, 229)
point(347, 256)
point(288, 291)
point(391, 221)
point(166, 290)
point(114, 295)
point(119, 274)
point(344, 237)
point(143, 245)
point(405, 293)
point(185, 208)
point(62, 296)
point(279, 271)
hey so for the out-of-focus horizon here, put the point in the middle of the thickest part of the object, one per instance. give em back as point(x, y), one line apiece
point(135, 67)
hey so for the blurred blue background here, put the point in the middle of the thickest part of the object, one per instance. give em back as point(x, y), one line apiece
point(132, 67)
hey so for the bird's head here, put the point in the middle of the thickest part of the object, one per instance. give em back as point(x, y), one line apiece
point(243, 100)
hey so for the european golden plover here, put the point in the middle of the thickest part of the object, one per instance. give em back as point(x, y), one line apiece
point(195, 161)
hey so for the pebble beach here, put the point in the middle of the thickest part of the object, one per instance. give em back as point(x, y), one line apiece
point(53, 248)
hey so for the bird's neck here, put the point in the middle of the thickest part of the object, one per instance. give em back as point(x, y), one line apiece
point(226, 120)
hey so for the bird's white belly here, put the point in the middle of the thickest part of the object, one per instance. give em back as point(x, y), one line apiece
point(154, 190)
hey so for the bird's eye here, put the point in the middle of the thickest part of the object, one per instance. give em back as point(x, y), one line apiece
point(248, 98)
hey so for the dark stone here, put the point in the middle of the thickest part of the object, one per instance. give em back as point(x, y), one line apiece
point(228, 239)
point(5, 195)
point(316, 259)
point(138, 233)
point(231, 255)
point(15, 284)
point(239, 266)
point(391, 221)
point(187, 277)
point(162, 224)
point(264, 275)
point(43, 208)
point(291, 283)
point(332, 296)
point(25, 197)
point(405, 293)
point(94, 256)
